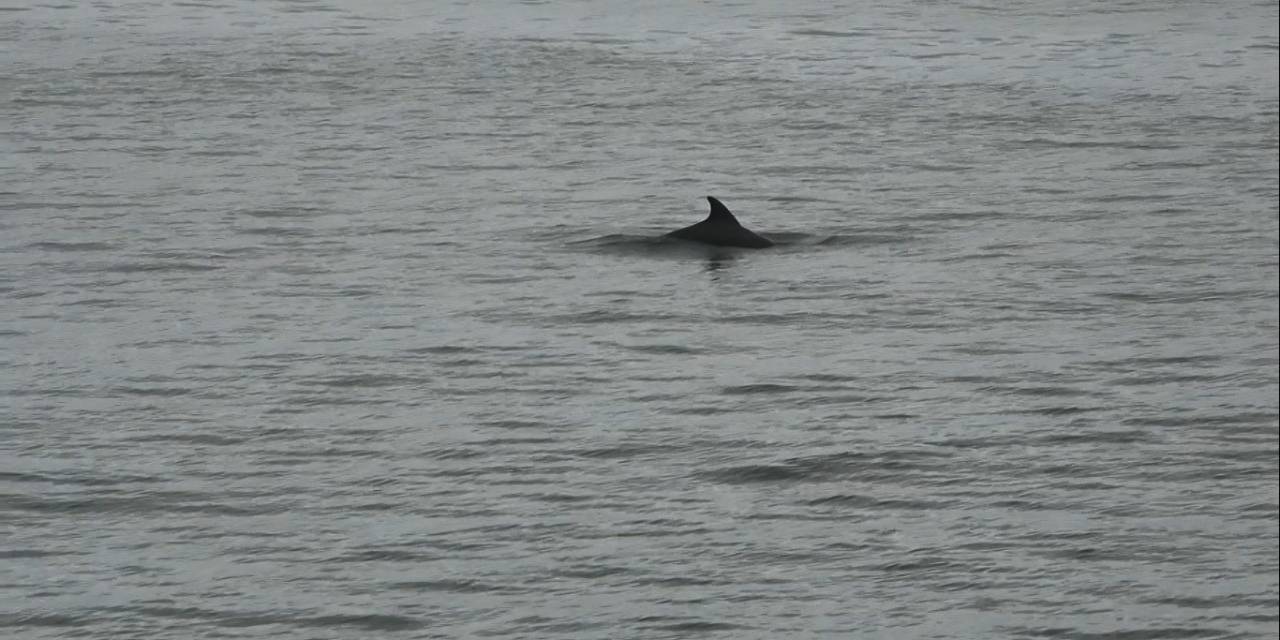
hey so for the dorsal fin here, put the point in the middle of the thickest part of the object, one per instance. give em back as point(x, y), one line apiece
point(721, 229)
point(719, 211)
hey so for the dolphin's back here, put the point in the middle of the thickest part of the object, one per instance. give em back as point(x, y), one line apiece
point(712, 232)
point(722, 229)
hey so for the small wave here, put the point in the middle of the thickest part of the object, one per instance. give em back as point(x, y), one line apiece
point(284, 212)
point(145, 503)
point(759, 389)
point(385, 555)
point(1109, 437)
point(1145, 633)
point(690, 626)
point(72, 246)
point(519, 424)
point(159, 267)
point(368, 381)
point(190, 438)
point(452, 586)
point(626, 451)
point(752, 473)
point(825, 33)
point(664, 349)
point(603, 316)
point(232, 618)
point(18, 554)
point(277, 231)
point(861, 239)
point(1095, 144)
point(871, 502)
point(1045, 391)
point(31, 619)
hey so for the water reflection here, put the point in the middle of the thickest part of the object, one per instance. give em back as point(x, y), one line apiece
point(718, 262)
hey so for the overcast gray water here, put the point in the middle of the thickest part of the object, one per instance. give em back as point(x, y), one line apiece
point(338, 319)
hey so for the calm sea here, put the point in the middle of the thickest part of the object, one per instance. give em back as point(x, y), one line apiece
point(343, 320)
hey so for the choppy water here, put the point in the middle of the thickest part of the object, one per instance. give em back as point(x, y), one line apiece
point(343, 320)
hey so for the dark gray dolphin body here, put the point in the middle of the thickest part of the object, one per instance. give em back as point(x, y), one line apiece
point(721, 229)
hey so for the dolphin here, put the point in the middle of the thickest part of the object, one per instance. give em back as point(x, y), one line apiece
point(722, 229)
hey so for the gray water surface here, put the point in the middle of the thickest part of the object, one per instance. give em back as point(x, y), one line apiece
point(341, 319)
